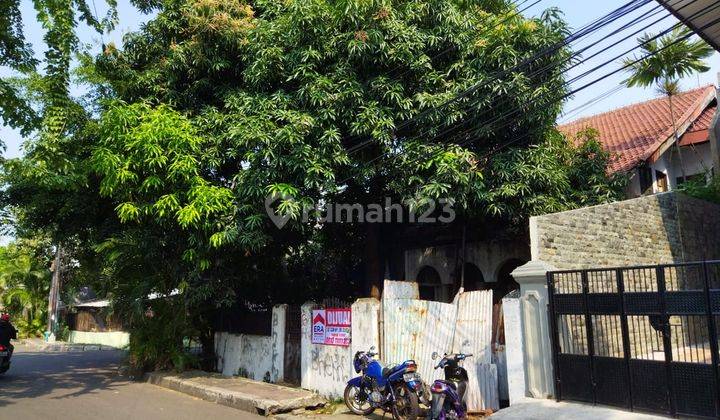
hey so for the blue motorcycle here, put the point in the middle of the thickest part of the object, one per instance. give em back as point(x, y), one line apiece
point(448, 396)
point(393, 388)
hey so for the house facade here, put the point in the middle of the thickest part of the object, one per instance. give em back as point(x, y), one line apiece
point(642, 140)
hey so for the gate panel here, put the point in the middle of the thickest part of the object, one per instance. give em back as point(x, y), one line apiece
point(643, 338)
point(690, 383)
point(574, 374)
point(611, 382)
point(649, 386)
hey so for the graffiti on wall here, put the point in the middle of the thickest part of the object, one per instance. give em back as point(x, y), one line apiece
point(330, 365)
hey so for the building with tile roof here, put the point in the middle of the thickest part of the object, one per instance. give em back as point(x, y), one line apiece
point(641, 139)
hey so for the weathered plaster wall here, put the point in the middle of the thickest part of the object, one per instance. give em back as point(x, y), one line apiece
point(656, 229)
point(487, 256)
point(117, 339)
point(325, 369)
point(249, 356)
point(257, 357)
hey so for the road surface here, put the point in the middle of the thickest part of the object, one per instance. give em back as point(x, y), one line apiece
point(85, 385)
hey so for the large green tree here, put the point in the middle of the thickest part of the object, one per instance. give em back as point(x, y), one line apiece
point(214, 106)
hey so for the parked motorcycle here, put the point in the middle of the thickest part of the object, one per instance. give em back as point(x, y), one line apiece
point(393, 389)
point(4, 359)
point(448, 396)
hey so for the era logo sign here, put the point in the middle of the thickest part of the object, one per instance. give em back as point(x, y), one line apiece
point(318, 326)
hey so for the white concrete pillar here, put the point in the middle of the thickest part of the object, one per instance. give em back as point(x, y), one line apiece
point(535, 328)
point(365, 325)
point(277, 335)
point(305, 343)
point(514, 362)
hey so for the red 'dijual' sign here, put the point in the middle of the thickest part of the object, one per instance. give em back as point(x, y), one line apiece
point(331, 326)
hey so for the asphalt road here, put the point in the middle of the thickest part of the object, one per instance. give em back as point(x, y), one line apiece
point(85, 385)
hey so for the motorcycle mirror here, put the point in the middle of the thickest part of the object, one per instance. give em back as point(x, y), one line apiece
point(372, 349)
point(434, 355)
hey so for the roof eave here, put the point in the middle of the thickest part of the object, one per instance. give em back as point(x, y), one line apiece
point(670, 140)
point(703, 31)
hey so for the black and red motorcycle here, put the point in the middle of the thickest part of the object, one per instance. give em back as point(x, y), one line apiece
point(5, 355)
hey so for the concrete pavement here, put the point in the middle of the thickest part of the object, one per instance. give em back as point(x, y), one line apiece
point(535, 409)
point(241, 393)
point(85, 386)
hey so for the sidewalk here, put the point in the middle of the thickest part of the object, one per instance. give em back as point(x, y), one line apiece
point(236, 392)
point(536, 409)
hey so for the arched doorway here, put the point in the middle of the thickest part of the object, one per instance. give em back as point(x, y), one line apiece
point(430, 284)
point(474, 278)
point(505, 281)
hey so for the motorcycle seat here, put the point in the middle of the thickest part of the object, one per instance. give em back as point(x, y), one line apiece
point(389, 370)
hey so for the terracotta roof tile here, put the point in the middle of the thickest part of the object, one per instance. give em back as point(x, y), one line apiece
point(635, 132)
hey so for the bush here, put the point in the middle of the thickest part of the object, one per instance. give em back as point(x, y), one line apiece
point(699, 188)
point(156, 338)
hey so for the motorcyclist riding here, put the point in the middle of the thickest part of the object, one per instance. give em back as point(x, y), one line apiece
point(7, 333)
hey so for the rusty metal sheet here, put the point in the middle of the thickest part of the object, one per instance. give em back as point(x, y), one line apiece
point(473, 332)
point(483, 392)
point(414, 329)
point(400, 290)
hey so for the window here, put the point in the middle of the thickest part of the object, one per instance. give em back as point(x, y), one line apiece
point(662, 181)
point(429, 283)
point(646, 181)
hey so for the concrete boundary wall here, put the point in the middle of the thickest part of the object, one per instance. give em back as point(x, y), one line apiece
point(117, 339)
point(327, 369)
point(257, 357)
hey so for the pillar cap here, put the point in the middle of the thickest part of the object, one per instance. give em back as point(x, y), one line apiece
point(533, 272)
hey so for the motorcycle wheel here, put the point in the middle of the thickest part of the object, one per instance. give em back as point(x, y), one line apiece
point(361, 408)
point(406, 405)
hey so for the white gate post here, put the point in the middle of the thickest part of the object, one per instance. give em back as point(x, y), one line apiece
point(535, 328)
point(279, 321)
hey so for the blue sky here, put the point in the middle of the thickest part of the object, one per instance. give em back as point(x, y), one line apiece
point(577, 13)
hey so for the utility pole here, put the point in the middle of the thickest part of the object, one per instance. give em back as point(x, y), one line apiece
point(54, 297)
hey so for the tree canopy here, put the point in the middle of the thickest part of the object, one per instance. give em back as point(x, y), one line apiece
point(159, 183)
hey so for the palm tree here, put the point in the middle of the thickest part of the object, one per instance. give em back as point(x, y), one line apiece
point(666, 60)
point(25, 286)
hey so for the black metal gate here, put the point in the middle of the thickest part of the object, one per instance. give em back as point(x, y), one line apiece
point(643, 338)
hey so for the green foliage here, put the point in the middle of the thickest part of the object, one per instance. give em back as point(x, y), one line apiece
point(58, 18)
point(557, 175)
point(25, 285)
point(669, 57)
point(160, 184)
point(156, 340)
point(700, 188)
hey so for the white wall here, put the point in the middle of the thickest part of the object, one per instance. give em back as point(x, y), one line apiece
point(117, 339)
point(695, 161)
point(324, 369)
point(257, 357)
point(246, 355)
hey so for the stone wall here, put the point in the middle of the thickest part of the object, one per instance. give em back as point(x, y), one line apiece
point(640, 231)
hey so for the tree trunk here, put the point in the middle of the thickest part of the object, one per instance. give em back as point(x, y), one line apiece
point(54, 290)
point(372, 260)
point(677, 139)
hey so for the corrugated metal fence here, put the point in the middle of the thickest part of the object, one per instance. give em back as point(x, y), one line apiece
point(414, 329)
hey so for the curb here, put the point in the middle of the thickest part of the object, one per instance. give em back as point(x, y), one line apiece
point(234, 399)
point(66, 347)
